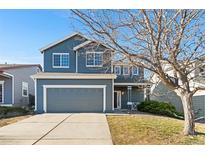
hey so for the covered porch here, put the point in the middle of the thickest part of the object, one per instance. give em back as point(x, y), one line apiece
point(125, 93)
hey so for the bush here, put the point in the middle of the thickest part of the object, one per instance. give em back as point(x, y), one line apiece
point(31, 100)
point(160, 108)
point(4, 110)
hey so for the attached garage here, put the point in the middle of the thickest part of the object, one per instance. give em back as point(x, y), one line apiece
point(74, 98)
point(71, 92)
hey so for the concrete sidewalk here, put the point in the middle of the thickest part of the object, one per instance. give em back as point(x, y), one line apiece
point(77, 128)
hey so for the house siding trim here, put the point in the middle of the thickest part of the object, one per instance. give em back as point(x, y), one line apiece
point(76, 61)
point(45, 87)
point(112, 94)
point(72, 76)
point(13, 90)
point(131, 84)
point(35, 86)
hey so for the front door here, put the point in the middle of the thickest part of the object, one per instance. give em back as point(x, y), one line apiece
point(1, 93)
point(117, 99)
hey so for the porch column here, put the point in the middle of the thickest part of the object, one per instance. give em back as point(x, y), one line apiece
point(129, 93)
point(147, 93)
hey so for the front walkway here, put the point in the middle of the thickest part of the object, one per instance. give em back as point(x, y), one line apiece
point(77, 128)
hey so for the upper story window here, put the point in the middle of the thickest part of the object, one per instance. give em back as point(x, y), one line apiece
point(125, 70)
point(94, 59)
point(60, 60)
point(117, 70)
point(24, 89)
point(135, 70)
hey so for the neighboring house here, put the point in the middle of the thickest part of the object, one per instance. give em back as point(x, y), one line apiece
point(160, 92)
point(79, 76)
point(16, 83)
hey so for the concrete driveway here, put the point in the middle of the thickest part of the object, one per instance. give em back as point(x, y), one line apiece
point(77, 128)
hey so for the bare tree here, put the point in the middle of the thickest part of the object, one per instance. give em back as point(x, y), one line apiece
point(154, 39)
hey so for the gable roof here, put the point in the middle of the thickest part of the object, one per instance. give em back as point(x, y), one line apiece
point(88, 42)
point(4, 67)
point(62, 40)
point(82, 45)
point(76, 47)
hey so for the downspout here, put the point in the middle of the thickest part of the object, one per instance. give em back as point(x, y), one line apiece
point(112, 62)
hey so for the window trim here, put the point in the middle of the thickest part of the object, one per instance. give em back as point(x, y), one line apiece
point(119, 68)
point(87, 52)
point(61, 60)
point(26, 89)
point(133, 70)
point(124, 71)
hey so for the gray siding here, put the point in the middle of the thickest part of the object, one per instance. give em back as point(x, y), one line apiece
point(106, 68)
point(199, 106)
point(137, 95)
point(108, 83)
point(7, 89)
point(66, 46)
point(23, 75)
point(130, 78)
point(162, 93)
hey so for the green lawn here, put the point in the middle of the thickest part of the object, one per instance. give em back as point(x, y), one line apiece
point(147, 129)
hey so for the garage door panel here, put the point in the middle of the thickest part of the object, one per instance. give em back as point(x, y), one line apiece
point(74, 100)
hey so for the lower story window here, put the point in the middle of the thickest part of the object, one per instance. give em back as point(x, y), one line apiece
point(24, 89)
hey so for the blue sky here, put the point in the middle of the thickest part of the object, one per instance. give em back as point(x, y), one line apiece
point(24, 32)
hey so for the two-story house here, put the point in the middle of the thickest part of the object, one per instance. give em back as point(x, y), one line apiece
point(79, 75)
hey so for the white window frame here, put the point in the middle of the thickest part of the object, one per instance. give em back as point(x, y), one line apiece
point(2, 83)
point(61, 60)
point(124, 71)
point(25, 84)
point(88, 52)
point(117, 66)
point(133, 70)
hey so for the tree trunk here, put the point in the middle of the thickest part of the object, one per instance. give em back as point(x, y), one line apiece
point(189, 126)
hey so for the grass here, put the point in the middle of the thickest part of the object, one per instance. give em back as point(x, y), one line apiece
point(7, 121)
point(148, 129)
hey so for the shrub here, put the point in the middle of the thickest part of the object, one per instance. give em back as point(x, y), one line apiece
point(5, 110)
point(31, 100)
point(160, 108)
